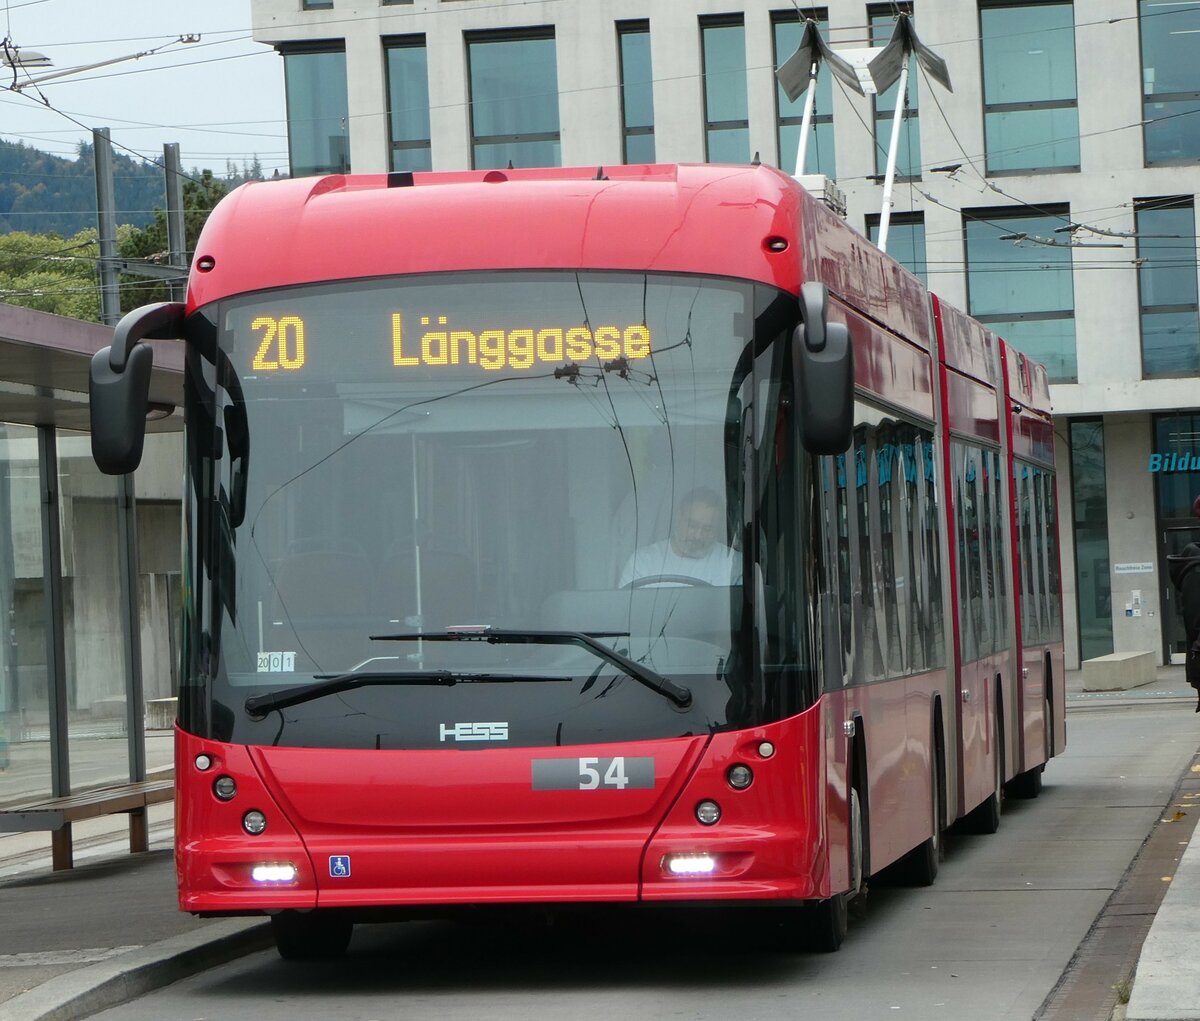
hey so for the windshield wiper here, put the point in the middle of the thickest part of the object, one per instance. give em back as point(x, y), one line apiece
point(677, 693)
point(332, 684)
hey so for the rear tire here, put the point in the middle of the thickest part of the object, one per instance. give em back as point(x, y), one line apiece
point(985, 817)
point(310, 936)
point(920, 866)
point(1028, 785)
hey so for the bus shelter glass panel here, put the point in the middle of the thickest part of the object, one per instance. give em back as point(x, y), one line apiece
point(514, 101)
point(819, 156)
point(94, 624)
point(24, 678)
point(1170, 80)
point(1031, 119)
point(160, 588)
point(317, 110)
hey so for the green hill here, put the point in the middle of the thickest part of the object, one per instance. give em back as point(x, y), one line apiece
point(40, 193)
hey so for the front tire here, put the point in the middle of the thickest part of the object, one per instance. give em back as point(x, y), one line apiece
point(310, 936)
point(821, 926)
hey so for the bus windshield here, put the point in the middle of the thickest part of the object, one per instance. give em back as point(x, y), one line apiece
point(610, 455)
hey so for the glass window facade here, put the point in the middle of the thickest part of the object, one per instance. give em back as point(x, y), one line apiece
point(637, 92)
point(25, 769)
point(726, 120)
point(408, 103)
point(1166, 247)
point(67, 626)
point(317, 111)
point(905, 242)
point(1023, 289)
point(819, 157)
point(1170, 80)
point(1089, 501)
point(1031, 121)
point(514, 100)
point(908, 153)
point(93, 620)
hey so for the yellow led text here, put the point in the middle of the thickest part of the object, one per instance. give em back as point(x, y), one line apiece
point(519, 348)
point(282, 345)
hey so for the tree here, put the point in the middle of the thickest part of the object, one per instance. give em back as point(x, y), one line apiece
point(50, 273)
point(200, 194)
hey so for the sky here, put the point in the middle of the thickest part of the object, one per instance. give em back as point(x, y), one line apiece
point(220, 98)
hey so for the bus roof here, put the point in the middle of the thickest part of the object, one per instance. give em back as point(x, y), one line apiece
point(709, 219)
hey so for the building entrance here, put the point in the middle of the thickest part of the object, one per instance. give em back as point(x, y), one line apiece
point(1172, 541)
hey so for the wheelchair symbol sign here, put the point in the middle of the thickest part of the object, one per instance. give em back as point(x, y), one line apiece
point(339, 865)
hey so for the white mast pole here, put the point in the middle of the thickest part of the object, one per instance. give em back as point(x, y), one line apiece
point(810, 101)
point(889, 177)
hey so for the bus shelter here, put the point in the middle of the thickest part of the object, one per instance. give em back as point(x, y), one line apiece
point(89, 569)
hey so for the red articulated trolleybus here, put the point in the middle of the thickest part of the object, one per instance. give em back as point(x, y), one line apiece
point(558, 536)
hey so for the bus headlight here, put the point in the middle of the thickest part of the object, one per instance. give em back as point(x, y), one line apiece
point(690, 864)
point(254, 822)
point(708, 813)
point(274, 872)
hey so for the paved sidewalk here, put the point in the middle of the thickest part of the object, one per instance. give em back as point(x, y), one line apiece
point(77, 942)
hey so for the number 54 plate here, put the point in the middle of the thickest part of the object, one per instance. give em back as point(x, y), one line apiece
point(593, 773)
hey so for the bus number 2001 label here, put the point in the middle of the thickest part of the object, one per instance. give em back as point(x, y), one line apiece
point(593, 773)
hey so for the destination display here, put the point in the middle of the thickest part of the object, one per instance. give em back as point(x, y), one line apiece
point(332, 333)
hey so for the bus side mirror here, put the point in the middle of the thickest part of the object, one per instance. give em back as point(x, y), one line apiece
point(823, 367)
point(119, 388)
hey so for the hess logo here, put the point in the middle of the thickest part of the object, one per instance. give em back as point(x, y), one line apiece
point(475, 732)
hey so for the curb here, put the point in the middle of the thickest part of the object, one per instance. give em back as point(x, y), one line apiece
point(86, 991)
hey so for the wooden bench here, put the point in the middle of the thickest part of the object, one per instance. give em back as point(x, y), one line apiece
point(57, 814)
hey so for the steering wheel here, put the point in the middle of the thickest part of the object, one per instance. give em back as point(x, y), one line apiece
point(667, 579)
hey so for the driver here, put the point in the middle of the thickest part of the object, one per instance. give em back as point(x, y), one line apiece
point(691, 551)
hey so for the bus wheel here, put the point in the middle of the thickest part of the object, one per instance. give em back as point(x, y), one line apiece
point(1029, 784)
point(985, 817)
point(920, 865)
point(312, 936)
point(821, 926)
point(827, 923)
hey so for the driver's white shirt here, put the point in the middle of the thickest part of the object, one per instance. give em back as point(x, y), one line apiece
point(719, 566)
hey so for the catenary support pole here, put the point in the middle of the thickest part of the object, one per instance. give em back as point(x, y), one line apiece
point(889, 176)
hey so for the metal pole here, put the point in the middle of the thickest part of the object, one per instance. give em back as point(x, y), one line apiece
point(127, 565)
point(56, 656)
point(176, 229)
point(810, 101)
point(106, 215)
point(889, 177)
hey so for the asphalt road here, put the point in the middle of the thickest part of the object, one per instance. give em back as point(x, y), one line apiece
point(988, 941)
